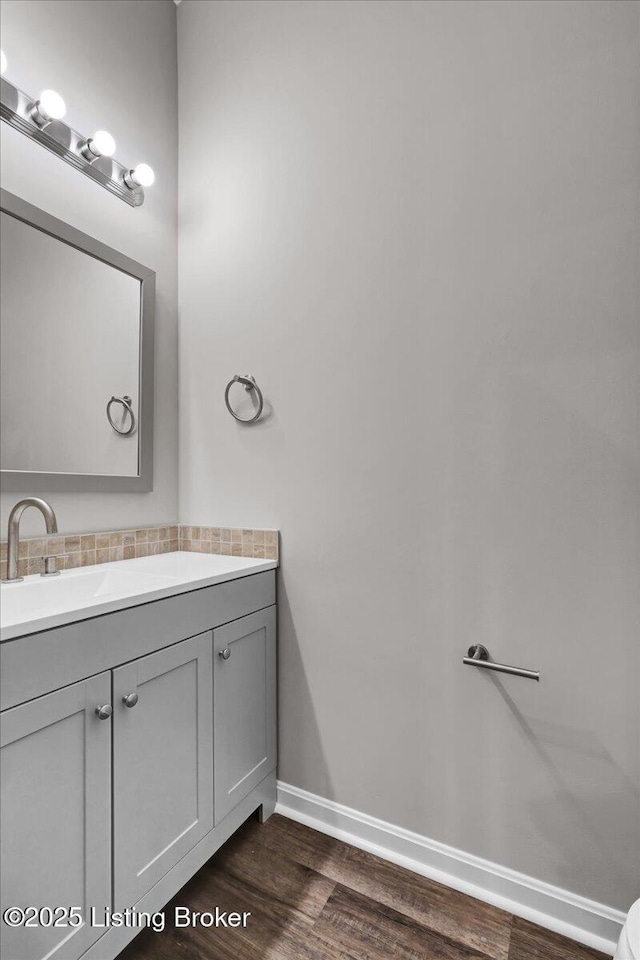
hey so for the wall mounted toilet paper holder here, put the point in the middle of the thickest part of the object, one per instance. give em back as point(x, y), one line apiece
point(478, 656)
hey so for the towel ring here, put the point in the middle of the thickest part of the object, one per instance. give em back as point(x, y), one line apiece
point(126, 403)
point(248, 383)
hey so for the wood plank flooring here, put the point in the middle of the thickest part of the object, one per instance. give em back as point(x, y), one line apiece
point(315, 898)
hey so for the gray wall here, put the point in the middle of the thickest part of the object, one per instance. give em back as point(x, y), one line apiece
point(114, 62)
point(416, 224)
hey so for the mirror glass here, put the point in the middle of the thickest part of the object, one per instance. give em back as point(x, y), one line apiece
point(70, 341)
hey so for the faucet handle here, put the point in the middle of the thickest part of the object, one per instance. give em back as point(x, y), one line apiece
point(50, 564)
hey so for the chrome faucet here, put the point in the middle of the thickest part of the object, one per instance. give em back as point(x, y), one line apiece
point(13, 537)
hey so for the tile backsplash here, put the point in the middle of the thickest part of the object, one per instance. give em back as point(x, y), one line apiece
point(82, 550)
point(231, 541)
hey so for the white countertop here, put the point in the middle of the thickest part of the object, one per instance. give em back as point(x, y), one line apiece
point(39, 603)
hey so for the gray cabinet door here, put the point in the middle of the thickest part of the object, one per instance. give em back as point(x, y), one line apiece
point(244, 696)
point(162, 763)
point(55, 774)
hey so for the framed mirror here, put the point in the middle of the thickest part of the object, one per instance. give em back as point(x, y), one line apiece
point(76, 332)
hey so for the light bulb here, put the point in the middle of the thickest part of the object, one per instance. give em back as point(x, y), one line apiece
point(104, 143)
point(52, 104)
point(49, 107)
point(142, 176)
point(101, 144)
point(3, 63)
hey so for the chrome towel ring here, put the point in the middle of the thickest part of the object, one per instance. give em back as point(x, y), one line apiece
point(126, 403)
point(249, 384)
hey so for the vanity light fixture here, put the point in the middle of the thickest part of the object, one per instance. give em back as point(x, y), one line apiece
point(101, 144)
point(49, 107)
point(141, 176)
point(93, 155)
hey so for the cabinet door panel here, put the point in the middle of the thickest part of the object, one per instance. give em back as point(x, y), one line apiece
point(163, 763)
point(56, 816)
point(245, 707)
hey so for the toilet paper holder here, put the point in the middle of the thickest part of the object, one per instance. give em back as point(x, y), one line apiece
point(478, 656)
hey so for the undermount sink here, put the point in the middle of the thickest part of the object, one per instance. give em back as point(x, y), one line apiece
point(39, 603)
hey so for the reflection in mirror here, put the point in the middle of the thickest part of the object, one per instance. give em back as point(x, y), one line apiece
point(70, 341)
point(76, 346)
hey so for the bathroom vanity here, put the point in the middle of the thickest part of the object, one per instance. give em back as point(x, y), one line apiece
point(138, 732)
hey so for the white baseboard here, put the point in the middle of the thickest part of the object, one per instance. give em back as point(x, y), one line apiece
point(586, 921)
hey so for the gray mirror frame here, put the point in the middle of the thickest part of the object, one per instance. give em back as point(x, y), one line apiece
point(27, 482)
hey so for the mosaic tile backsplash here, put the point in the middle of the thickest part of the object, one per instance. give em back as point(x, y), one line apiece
point(83, 550)
point(230, 541)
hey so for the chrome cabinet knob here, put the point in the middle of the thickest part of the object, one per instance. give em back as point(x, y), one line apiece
point(104, 712)
point(130, 699)
point(225, 654)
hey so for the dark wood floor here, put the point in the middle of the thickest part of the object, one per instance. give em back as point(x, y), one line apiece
point(314, 898)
